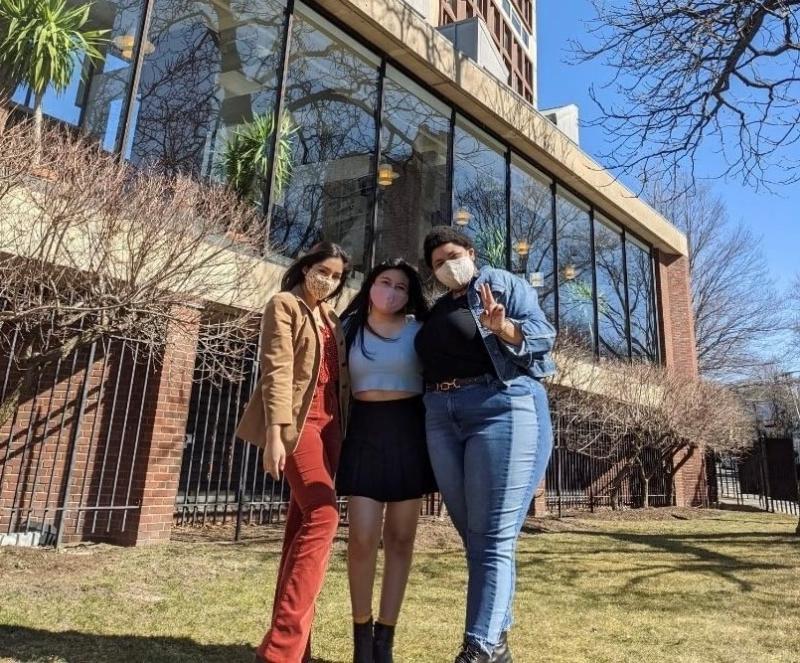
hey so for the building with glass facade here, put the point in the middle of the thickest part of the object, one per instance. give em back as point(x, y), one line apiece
point(386, 130)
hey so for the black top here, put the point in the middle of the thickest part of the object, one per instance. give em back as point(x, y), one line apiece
point(449, 343)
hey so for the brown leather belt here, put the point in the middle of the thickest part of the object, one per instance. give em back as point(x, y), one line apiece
point(457, 383)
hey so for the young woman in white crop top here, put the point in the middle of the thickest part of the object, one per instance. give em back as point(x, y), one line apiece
point(384, 468)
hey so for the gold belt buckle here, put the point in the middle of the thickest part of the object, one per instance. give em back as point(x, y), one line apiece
point(447, 386)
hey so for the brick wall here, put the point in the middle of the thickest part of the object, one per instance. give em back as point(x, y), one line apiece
point(158, 473)
point(679, 353)
point(117, 416)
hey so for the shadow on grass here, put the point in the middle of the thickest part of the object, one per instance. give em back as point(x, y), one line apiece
point(30, 645)
point(689, 556)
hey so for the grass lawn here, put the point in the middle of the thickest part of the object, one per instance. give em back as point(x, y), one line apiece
point(666, 585)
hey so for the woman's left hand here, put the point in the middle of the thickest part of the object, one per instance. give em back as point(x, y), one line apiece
point(494, 314)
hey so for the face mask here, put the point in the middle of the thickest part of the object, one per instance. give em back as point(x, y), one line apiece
point(386, 299)
point(456, 273)
point(319, 286)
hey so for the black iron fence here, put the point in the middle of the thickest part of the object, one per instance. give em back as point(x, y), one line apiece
point(595, 465)
point(71, 455)
point(222, 481)
point(766, 478)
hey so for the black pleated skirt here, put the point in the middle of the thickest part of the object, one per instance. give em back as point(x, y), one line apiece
point(384, 455)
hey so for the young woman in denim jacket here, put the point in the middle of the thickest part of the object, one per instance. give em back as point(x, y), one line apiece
point(484, 348)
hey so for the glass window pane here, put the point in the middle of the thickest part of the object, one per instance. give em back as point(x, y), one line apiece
point(610, 268)
point(532, 231)
point(479, 192)
point(412, 175)
point(97, 93)
point(331, 96)
point(575, 290)
point(211, 70)
point(641, 301)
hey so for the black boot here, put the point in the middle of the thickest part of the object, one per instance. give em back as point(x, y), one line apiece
point(382, 644)
point(502, 652)
point(362, 642)
point(471, 653)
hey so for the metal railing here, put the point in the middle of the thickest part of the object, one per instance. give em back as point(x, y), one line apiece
point(70, 456)
point(766, 478)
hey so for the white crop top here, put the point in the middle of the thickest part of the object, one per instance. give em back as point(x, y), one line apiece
point(391, 366)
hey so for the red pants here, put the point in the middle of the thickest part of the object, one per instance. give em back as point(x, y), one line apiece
point(310, 529)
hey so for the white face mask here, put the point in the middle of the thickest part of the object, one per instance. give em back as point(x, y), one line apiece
point(319, 286)
point(456, 273)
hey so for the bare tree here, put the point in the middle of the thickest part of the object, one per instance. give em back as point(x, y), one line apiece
point(96, 248)
point(700, 74)
point(775, 394)
point(737, 310)
point(638, 415)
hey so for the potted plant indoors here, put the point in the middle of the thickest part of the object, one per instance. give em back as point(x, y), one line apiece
point(244, 163)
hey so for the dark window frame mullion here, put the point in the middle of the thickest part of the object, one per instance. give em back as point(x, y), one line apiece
point(509, 247)
point(86, 81)
point(627, 294)
point(451, 164)
point(377, 193)
point(554, 246)
point(266, 198)
point(120, 148)
point(595, 307)
point(653, 297)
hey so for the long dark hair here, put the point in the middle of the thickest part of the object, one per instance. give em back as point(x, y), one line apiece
point(356, 316)
point(296, 273)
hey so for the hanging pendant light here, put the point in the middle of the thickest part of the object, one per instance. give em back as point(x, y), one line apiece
point(386, 174)
point(125, 44)
point(570, 272)
point(522, 248)
point(462, 217)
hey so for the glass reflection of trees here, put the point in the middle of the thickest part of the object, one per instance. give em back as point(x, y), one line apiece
point(415, 133)
point(331, 94)
point(575, 289)
point(532, 230)
point(641, 302)
point(212, 66)
point(610, 267)
point(479, 191)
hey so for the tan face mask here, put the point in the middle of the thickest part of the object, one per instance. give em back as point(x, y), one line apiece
point(320, 286)
point(456, 273)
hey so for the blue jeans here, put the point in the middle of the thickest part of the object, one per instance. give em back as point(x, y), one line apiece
point(489, 446)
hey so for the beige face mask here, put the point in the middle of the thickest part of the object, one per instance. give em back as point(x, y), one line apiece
point(456, 273)
point(319, 286)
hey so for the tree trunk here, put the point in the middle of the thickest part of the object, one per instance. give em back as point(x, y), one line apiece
point(38, 120)
point(5, 113)
point(645, 486)
point(11, 401)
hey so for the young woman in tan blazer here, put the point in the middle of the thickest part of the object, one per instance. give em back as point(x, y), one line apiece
point(298, 415)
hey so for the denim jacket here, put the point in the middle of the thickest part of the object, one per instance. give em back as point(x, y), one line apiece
point(522, 308)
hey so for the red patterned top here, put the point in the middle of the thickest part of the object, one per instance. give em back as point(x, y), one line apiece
point(329, 366)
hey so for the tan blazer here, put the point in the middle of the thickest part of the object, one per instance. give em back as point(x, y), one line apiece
point(291, 344)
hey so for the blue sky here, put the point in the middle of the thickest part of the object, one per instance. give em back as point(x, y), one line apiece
point(774, 217)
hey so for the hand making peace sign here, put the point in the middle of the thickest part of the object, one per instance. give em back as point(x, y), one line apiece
point(494, 314)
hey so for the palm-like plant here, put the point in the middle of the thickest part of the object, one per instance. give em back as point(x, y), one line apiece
point(244, 163)
point(40, 44)
point(490, 245)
